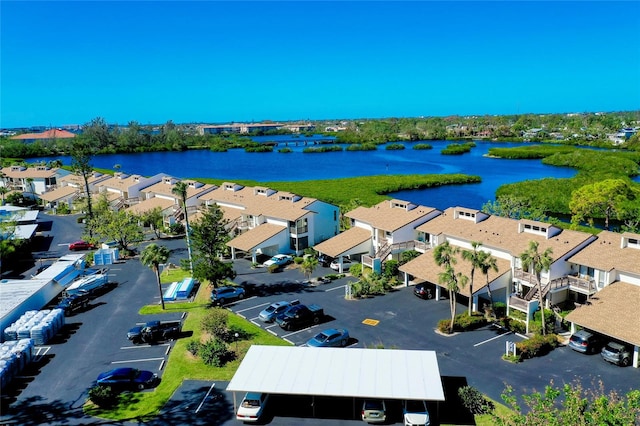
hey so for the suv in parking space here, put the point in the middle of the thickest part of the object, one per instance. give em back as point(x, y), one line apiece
point(586, 342)
point(617, 353)
point(221, 295)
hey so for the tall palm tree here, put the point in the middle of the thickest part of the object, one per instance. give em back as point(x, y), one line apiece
point(537, 262)
point(474, 257)
point(153, 256)
point(488, 263)
point(308, 265)
point(445, 255)
point(180, 189)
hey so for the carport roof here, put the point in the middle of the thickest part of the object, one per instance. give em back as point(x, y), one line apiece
point(613, 311)
point(351, 372)
point(256, 236)
point(344, 241)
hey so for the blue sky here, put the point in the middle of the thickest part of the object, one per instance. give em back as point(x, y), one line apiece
point(150, 62)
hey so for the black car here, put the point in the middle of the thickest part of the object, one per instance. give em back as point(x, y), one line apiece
point(325, 260)
point(127, 379)
point(423, 291)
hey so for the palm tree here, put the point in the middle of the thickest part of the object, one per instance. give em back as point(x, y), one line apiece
point(488, 263)
point(537, 262)
point(308, 265)
point(180, 189)
point(445, 255)
point(153, 256)
point(474, 257)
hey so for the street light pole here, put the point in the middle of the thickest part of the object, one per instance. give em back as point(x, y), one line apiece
point(236, 336)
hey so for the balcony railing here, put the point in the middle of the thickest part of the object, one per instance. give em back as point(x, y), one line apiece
point(583, 285)
point(525, 276)
point(518, 303)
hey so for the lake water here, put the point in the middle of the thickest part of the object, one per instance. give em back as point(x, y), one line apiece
point(297, 166)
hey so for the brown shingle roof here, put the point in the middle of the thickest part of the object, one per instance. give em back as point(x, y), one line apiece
point(387, 215)
point(503, 233)
point(613, 311)
point(30, 172)
point(150, 204)
point(425, 268)
point(254, 237)
point(120, 182)
point(344, 241)
point(607, 253)
point(60, 193)
point(260, 204)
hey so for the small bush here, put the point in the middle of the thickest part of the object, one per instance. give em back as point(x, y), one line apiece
point(538, 345)
point(513, 324)
point(443, 325)
point(356, 270)
point(474, 400)
point(273, 268)
point(463, 322)
point(298, 260)
point(103, 396)
point(215, 353)
point(285, 150)
point(215, 322)
point(391, 268)
point(176, 228)
point(194, 347)
point(500, 309)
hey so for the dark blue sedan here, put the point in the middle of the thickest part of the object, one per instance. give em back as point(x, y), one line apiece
point(127, 379)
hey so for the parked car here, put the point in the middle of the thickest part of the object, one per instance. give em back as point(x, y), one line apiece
point(252, 406)
point(81, 245)
point(617, 353)
point(270, 313)
point(374, 411)
point(222, 295)
point(127, 379)
point(415, 413)
point(278, 259)
point(331, 337)
point(346, 264)
point(325, 260)
point(423, 291)
point(586, 342)
point(300, 315)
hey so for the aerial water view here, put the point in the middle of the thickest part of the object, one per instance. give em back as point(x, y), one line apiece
point(319, 213)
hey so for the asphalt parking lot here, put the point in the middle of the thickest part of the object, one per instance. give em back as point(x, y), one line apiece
point(53, 390)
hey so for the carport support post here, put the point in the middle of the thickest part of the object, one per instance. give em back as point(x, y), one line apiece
point(527, 324)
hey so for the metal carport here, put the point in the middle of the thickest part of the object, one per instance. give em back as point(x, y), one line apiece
point(352, 372)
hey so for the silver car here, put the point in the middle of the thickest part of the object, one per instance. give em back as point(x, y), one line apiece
point(270, 313)
point(617, 353)
point(374, 411)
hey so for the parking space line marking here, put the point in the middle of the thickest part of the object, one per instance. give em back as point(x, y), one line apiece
point(371, 322)
point(493, 338)
point(298, 331)
point(143, 346)
point(253, 307)
point(137, 360)
point(205, 398)
point(39, 355)
point(272, 332)
point(335, 288)
point(270, 326)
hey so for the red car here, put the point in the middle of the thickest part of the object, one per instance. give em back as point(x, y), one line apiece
point(81, 245)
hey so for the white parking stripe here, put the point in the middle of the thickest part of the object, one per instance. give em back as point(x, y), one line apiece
point(336, 288)
point(299, 331)
point(493, 338)
point(137, 360)
point(205, 398)
point(143, 346)
point(253, 307)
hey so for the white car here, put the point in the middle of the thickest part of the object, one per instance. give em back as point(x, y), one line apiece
point(346, 264)
point(415, 413)
point(252, 406)
point(278, 259)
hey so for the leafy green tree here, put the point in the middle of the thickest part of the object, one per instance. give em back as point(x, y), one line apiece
point(153, 256)
point(209, 236)
point(536, 263)
point(600, 199)
point(180, 189)
point(445, 256)
point(475, 257)
point(121, 227)
point(570, 405)
point(514, 207)
point(81, 155)
point(154, 219)
point(308, 265)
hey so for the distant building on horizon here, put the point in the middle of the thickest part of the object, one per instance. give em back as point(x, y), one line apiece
point(246, 128)
point(47, 135)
